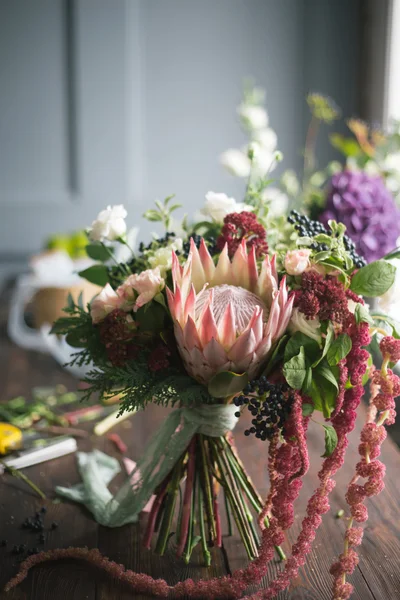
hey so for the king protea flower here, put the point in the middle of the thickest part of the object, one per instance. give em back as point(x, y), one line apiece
point(226, 316)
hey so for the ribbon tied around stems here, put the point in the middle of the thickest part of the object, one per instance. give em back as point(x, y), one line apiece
point(159, 457)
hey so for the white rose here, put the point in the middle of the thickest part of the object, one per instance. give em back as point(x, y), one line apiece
point(146, 284)
point(236, 162)
point(267, 139)
point(310, 327)
point(277, 200)
point(218, 205)
point(253, 117)
point(110, 224)
point(297, 261)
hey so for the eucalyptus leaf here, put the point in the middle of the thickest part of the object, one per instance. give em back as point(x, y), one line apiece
point(331, 440)
point(97, 274)
point(339, 349)
point(374, 279)
point(294, 370)
point(226, 384)
point(98, 251)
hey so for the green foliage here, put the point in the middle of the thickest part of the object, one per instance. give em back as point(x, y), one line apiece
point(339, 349)
point(323, 108)
point(331, 440)
point(361, 314)
point(374, 279)
point(97, 274)
point(226, 384)
point(138, 386)
point(294, 370)
point(98, 251)
point(163, 213)
point(81, 333)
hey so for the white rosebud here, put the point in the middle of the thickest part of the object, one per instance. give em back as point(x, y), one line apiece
point(253, 117)
point(218, 205)
point(310, 327)
point(278, 202)
point(236, 162)
point(278, 156)
point(162, 258)
point(109, 225)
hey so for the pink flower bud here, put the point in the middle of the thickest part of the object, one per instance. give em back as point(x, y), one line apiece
point(297, 261)
point(104, 303)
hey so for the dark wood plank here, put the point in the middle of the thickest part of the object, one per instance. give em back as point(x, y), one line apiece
point(377, 576)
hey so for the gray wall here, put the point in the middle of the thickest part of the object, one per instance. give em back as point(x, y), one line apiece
point(110, 101)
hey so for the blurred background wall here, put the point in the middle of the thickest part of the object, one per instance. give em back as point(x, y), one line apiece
point(122, 101)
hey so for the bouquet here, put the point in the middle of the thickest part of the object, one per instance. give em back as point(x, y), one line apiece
point(244, 311)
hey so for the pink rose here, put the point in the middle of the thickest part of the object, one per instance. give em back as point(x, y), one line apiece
point(104, 303)
point(297, 261)
point(139, 289)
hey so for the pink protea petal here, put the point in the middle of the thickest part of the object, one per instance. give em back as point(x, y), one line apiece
point(191, 336)
point(273, 319)
point(206, 261)
point(171, 303)
point(198, 275)
point(223, 270)
point(177, 270)
point(215, 354)
point(227, 328)
point(284, 319)
point(267, 282)
point(253, 271)
point(207, 326)
point(283, 293)
point(240, 267)
point(264, 347)
point(190, 304)
point(257, 325)
point(274, 272)
point(244, 345)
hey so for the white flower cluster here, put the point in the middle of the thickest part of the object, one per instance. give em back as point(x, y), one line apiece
point(262, 143)
point(218, 205)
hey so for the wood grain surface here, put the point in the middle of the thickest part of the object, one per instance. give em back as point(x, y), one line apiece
point(376, 577)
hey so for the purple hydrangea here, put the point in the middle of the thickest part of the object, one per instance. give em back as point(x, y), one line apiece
point(364, 204)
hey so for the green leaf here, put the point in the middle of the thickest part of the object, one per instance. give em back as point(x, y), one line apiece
point(339, 349)
point(307, 410)
point(152, 215)
point(226, 384)
point(385, 319)
point(98, 251)
point(277, 354)
point(320, 256)
point(70, 301)
point(348, 146)
point(80, 300)
point(331, 440)
point(160, 299)
point(361, 314)
point(330, 334)
point(328, 372)
point(298, 340)
point(308, 381)
point(150, 317)
point(393, 254)
point(294, 370)
point(97, 274)
point(374, 279)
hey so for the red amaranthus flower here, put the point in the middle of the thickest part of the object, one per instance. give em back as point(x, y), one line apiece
point(243, 226)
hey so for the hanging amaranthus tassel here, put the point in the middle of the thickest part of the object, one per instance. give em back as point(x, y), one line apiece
point(384, 388)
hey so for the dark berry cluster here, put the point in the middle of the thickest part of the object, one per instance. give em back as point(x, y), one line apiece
point(306, 227)
point(269, 403)
point(34, 524)
point(163, 241)
point(210, 243)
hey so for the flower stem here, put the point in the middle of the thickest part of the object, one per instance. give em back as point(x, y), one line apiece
point(191, 541)
point(206, 552)
point(169, 510)
point(207, 489)
point(151, 523)
point(16, 473)
point(187, 498)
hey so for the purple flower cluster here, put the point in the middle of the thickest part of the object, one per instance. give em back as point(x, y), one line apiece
point(367, 208)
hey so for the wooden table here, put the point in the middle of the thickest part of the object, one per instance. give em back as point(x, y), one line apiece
point(377, 576)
